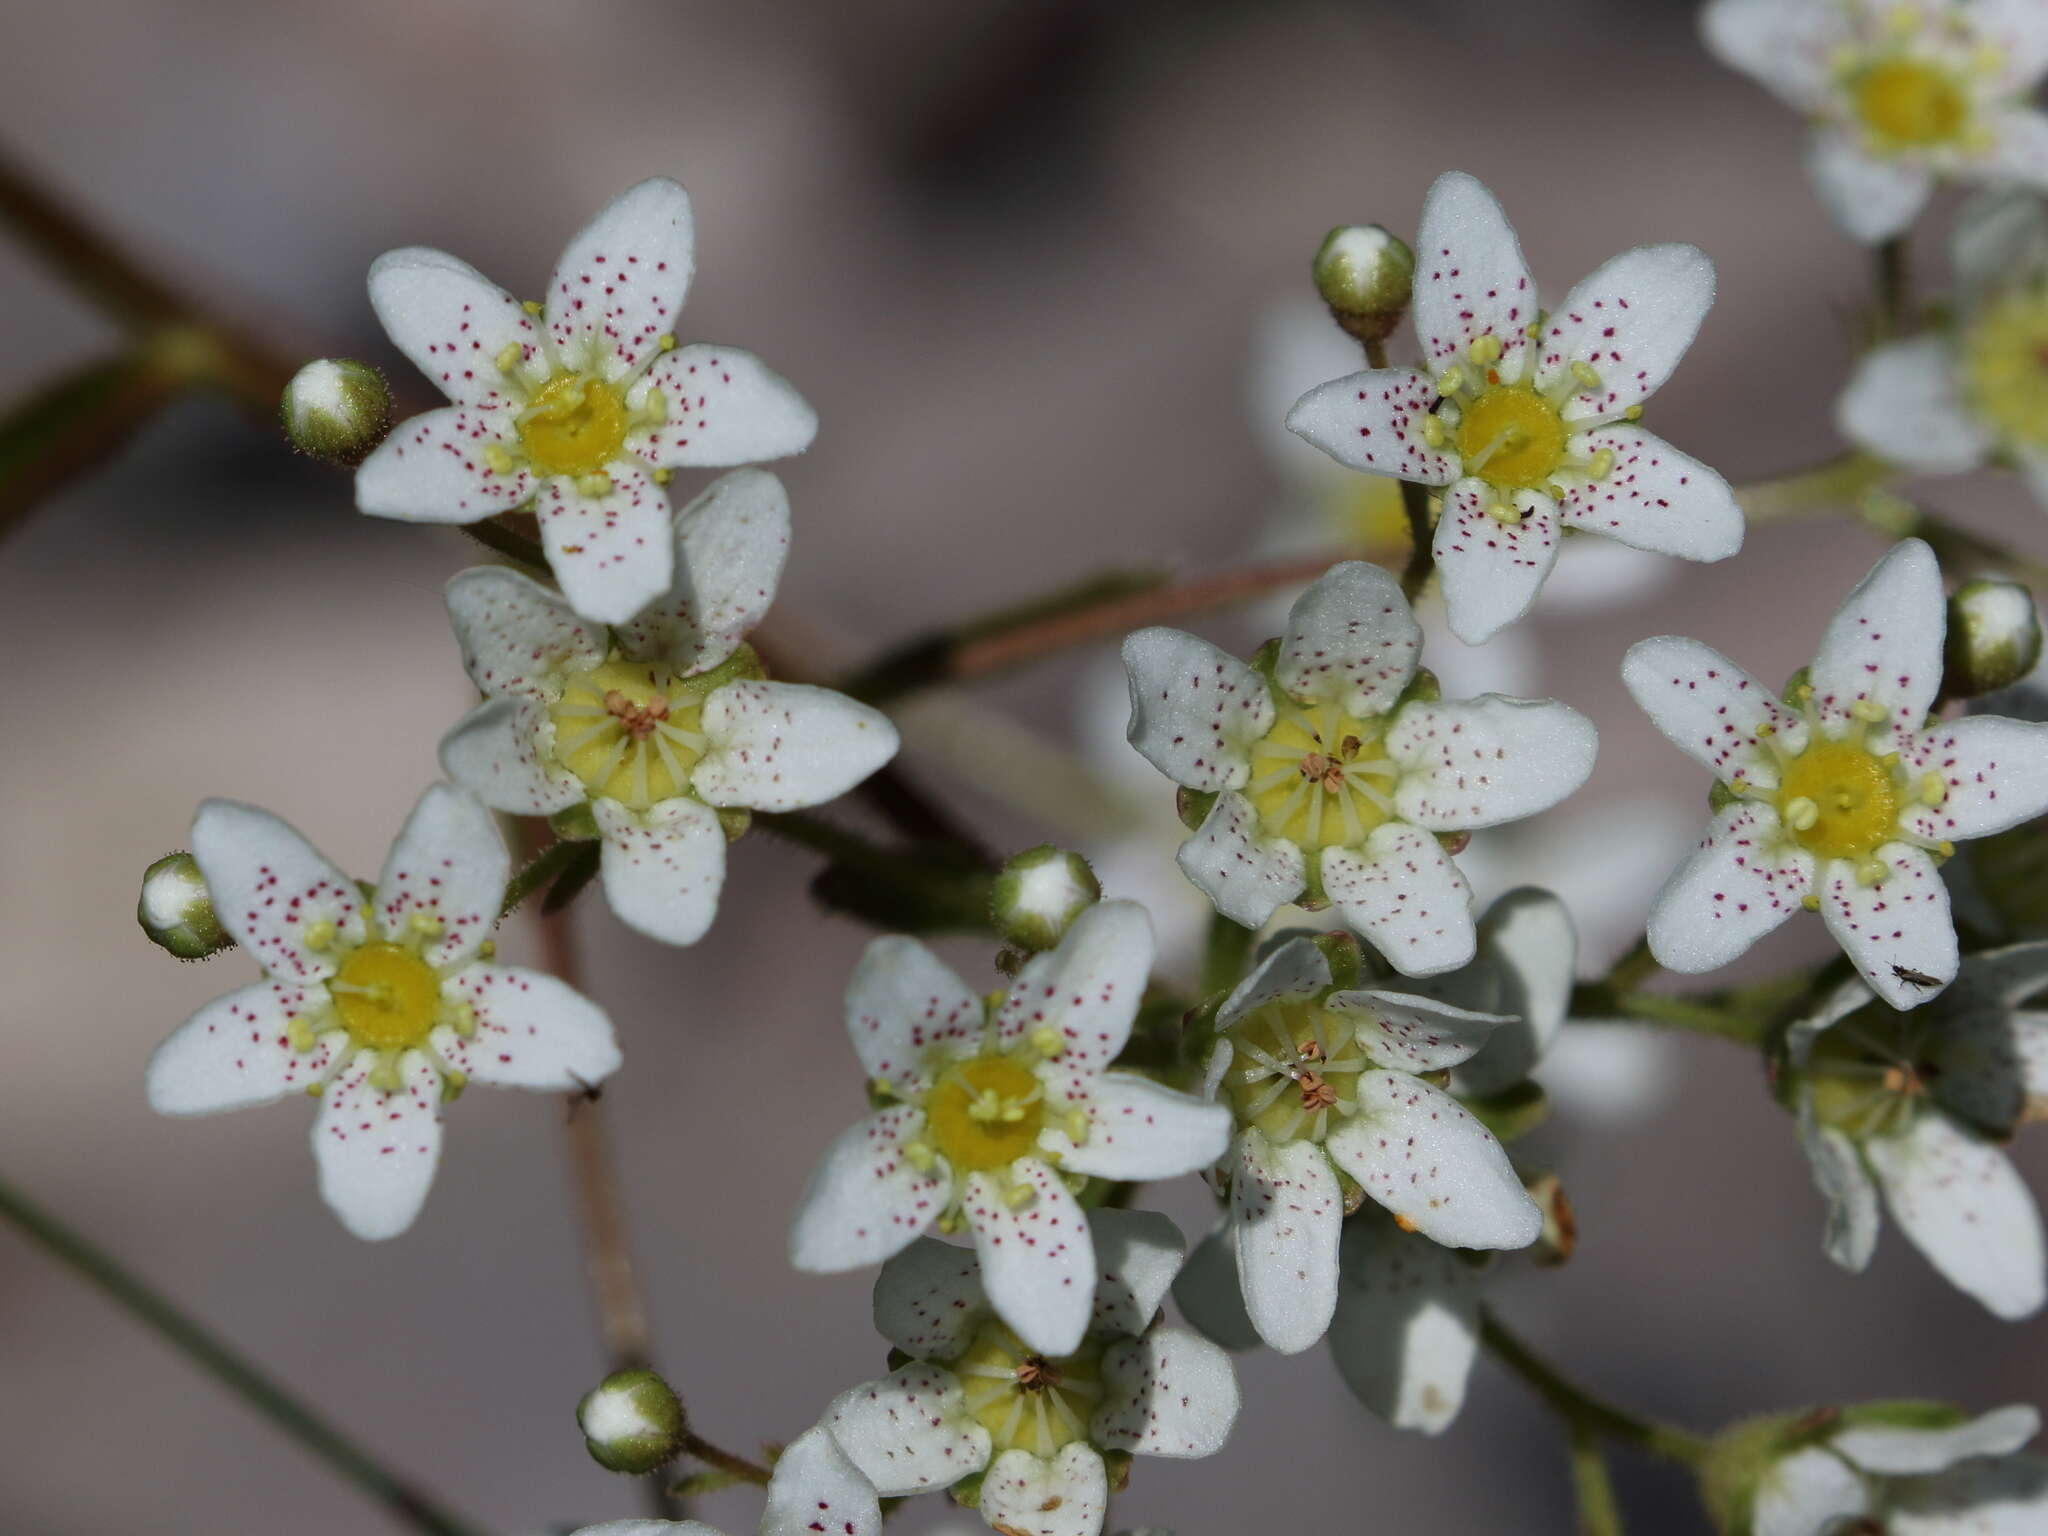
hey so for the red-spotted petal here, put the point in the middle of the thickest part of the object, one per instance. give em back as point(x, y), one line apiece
point(910, 1431)
point(1295, 969)
point(1709, 708)
point(1414, 1034)
point(377, 1151)
point(237, 1051)
point(1351, 639)
point(1037, 1258)
point(1406, 1331)
point(1470, 279)
point(1901, 924)
point(782, 746)
point(269, 886)
point(1137, 1254)
point(1630, 322)
point(1195, 710)
point(1169, 1393)
point(1422, 1155)
point(1288, 1212)
point(494, 752)
point(1086, 989)
point(1993, 772)
point(618, 287)
point(1403, 895)
point(867, 1200)
point(1653, 497)
point(437, 468)
point(516, 635)
point(722, 406)
point(532, 1030)
point(1373, 421)
point(1492, 569)
point(1247, 875)
point(903, 1006)
point(1471, 763)
point(613, 551)
point(929, 1301)
point(453, 322)
point(445, 876)
point(1026, 1495)
point(1140, 1130)
point(663, 869)
point(815, 1489)
point(730, 545)
point(1957, 1196)
point(1740, 883)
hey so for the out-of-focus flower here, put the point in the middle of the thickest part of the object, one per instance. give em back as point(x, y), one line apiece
point(579, 408)
point(815, 1488)
point(663, 726)
point(1902, 94)
point(1530, 420)
point(381, 1005)
point(1845, 796)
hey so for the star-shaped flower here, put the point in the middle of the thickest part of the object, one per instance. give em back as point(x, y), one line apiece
point(1844, 796)
point(1956, 397)
point(1337, 774)
point(977, 1401)
point(578, 409)
point(989, 1109)
point(815, 1490)
point(664, 724)
point(1902, 94)
point(381, 1005)
point(1530, 420)
point(1916, 1106)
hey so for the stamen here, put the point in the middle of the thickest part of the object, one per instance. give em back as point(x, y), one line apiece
point(1801, 814)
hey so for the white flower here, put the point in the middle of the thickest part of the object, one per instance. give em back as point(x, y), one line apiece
point(578, 409)
point(662, 723)
point(990, 1110)
point(382, 1005)
point(1951, 399)
point(1335, 750)
point(1530, 419)
point(1908, 1469)
point(978, 1399)
point(1901, 93)
point(1842, 798)
point(1917, 1106)
point(814, 1489)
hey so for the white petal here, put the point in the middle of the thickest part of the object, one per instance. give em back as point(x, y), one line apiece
point(1351, 639)
point(1492, 570)
point(1288, 1211)
point(377, 1152)
point(445, 876)
point(1209, 1294)
point(1419, 1153)
point(1871, 199)
point(909, 1431)
point(1905, 403)
point(1087, 987)
point(1525, 967)
point(1995, 772)
point(1851, 1234)
point(236, 1051)
point(1902, 923)
point(1654, 497)
point(1739, 884)
point(724, 406)
point(1403, 894)
point(533, 1030)
point(495, 753)
point(1630, 321)
point(647, 1528)
point(2003, 1497)
point(929, 1301)
point(1470, 279)
point(730, 546)
point(1170, 1393)
point(269, 885)
point(1025, 1495)
point(1959, 1199)
point(1195, 710)
point(1471, 763)
point(866, 1200)
point(1037, 1259)
point(1139, 1130)
point(2020, 152)
point(2018, 29)
point(817, 1488)
point(516, 635)
point(663, 870)
point(783, 746)
point(612, 552)
point(1137, 1254)
point(1294, 969)
point(1786, 46)
point(1407, 1325)
point(1707, 707)
point(431, 469)
point(452, 321)
point(2000, 232)
point(1372, 421)
point(619, 285)
point(1809, 1493)
point(904, 1003)
point(1247, 875)
point(1414, 1034)
point(1895, 1451)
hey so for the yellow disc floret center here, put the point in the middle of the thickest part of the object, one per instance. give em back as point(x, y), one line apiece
point(1027, 1401)
point(1512, 438)
point(2005, 365)
point(1293, 1070)
point(1319, 776)
point(630, 731)
point(574, 425)
point(386, 996)
point(1839, 800)
point(1910, 103)
point(986, 1113)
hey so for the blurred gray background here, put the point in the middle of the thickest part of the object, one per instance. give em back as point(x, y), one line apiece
point(1022, 258)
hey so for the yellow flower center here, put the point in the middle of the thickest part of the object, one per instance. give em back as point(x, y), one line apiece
point(986, 1113)
point(386, 996)
point(630, 730)
point(575, 424)
point(1512, 438)
point(1839, 800)
point(1910, 104)
point(2005, 365)
point(1872, 1071)
point(1293, 1070)
point(1319, 777)
point(1026, 1401)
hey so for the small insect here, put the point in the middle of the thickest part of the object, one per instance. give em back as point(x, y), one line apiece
point(1913, 978)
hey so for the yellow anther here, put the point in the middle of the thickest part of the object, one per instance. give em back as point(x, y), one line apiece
point(1902, 20)
point(1077, 1126)
point(299, 1035)
point(1944, 849)
point(666, 341)
point(314, 1090)
point(1019, 1195)
point(1801, 814)
point(1803, 693)
point(531, 306)
point(1047, 1041)
point(654, 408)
point(509, 356)
point(426, 924)
point(462, 1019)
point(1766, 729)
point(1987, 59)
point(1933, 789)
point(1633, 413)
point(452, 1084)
point(319, 935)
point(1583, 371)
point(1451, 380)
point(1602, 465)
point(663, 476)
point(987, 1105)
point(498, 460)
point(1484, 349)
point(599, 484)
point(1012, 1114)
point(487, 949)
point(384, 1077)
point(1533, 330)
point(1501, 510)
point(1433, 432)
point(1873, 871)
point(882, 1088)
point(1554, 491)
point(1870, 711)
point(919, 1155)
point(948, 1222)
point(1810, 901)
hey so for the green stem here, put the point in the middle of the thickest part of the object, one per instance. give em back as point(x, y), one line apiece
point(1225, 954)
point(71, 426)
point(1633, 968)
point(1599, 1509)
point(1597, 1000)
point(510, 543)
point(917, 889)
point(1835, 486)
point(1894, 289)
point(230, 1369)
point(1953, 545)
point(1581, 1410)
point(1415, 503)
point(732, 1465)
point(542, 869)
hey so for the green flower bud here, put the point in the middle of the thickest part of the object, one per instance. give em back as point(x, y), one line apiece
point(1366, 276)
point(632, 1422)
point(1994, 638)
point(176, 910)
point(337, 409)
point(1039, 893)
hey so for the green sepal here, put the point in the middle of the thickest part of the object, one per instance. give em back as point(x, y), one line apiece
point(967, 1492)
point(576, 874)
point(899, 1358)
point(735, 820)
point(1423, 688)
point(1513, 1112)
point(575, 823)
point(1118, 1465)
point(1341, 952)
point(1192, 806)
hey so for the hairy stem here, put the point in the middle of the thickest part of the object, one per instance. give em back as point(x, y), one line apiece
point(1599, 1000)
point(1599, 1509)
point(727, 1462)
point(540, 870)
point(1838, 485)
point(1578, 1408)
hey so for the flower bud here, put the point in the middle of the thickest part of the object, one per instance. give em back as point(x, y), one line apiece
point(632, 1422)
point(1039, 893)
point(1365, 275)
point(176, 910)
point(1560, 1226)
point(1994, 638)
point(337, 409)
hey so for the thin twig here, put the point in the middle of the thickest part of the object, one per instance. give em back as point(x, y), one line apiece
point(728, 1462)
point(1579, 1408)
